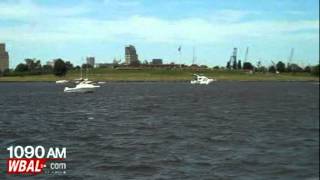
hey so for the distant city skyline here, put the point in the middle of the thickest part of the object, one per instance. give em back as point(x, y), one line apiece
point(74, 29)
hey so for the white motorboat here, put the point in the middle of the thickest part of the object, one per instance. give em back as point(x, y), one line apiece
point(82, 87)
point(77, 81)
point(201, 80)
point(101, 82)
point(86, 81)
point(62, 82)
point(81, 79)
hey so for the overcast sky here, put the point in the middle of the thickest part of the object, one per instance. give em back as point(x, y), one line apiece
point(74, 29)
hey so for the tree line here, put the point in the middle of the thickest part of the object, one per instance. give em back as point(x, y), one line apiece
point(278, 67)
point(61, 67)
point(34, 67)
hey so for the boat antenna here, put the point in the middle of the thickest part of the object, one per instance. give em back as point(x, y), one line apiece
point(81, 68)
point(86, 72)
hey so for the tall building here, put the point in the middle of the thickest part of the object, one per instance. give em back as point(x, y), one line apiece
point(156, 61)
point(4, 58)
point(131, 55)
point(91, 61)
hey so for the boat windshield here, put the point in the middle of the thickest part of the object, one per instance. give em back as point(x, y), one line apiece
point(194, 77)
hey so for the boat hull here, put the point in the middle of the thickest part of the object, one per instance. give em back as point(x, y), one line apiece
point(202, 82)
point(79, 90)
point(62, 82)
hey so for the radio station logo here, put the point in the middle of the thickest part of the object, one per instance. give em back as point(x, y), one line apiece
point(30, 160)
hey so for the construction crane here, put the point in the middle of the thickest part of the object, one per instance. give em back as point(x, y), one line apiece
point(290, 56)
point(290, 59)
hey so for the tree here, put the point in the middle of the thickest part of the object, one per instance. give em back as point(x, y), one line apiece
point(272, 69)
point(60, 68)
point(216, 67)
point(281, 67)
point(34, 66)
point(259, 64)
point(247, 66)
point(69, 65)
point(307, 69)
point(21, 68)
point(77, 68)
point(239, 64)
point(315, 70)
point(47, 69)
point(294, 68)
point(183, 66)
point(262, 69)
point(86, 66)
point(30, 63)
point(194, 66)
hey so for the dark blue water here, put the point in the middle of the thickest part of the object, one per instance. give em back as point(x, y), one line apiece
point(227, 130)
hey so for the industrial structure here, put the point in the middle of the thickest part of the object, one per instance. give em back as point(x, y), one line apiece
point(233, 58)
point(157, 61)
point(91, 61)
point(104, 65)
point(4, 58)
point(131, 56)
point(246, 55)
point(290, 57)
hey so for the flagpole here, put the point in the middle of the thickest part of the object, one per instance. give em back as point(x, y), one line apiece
point(179, 49)
point(180, 58)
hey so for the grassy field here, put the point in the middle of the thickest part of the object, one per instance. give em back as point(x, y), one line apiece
point(104, 74)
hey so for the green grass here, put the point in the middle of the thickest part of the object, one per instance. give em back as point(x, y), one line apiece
point(105, 74)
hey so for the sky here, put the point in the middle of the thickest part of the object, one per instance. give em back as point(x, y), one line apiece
point(75, 29)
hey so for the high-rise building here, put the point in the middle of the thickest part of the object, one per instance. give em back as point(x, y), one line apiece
point(91, 61)
point(131, 55)
point(156, 61)
point(4, 58)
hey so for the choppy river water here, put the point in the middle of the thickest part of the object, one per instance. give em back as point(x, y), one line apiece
point(226, 130)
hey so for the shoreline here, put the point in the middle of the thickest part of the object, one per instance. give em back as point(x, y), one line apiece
point(164, 81)
point(164, 75)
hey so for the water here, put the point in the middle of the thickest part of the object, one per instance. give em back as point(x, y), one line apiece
point(227, 130)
